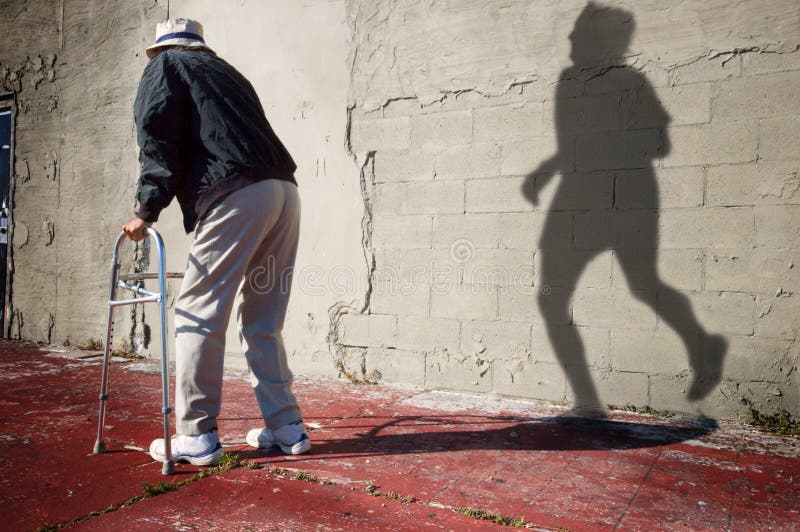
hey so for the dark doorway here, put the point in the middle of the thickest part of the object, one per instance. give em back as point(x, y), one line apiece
point(6, 152)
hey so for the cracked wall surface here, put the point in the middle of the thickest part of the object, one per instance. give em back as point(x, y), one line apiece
point(681, 143)
point(415, 125)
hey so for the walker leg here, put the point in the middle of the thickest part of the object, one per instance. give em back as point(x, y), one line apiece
point(99, 444)
point(169, 467)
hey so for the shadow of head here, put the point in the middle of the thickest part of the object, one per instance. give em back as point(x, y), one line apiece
point(601, 35)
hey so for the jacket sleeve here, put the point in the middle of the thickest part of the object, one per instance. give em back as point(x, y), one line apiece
point(159, 115)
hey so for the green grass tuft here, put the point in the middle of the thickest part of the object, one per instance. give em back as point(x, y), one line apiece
point(780, 423)
point(489, 516)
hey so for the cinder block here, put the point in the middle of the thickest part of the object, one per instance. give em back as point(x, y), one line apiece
point(711, 144)
point(400, 299)
point(525, 230)
point(708, 227)
point(714, 69)
point(479, 230)
point(584, 114)
point(440, 130)
point(576, 191)
point(759, 359)
point(677, 268)
point(554, 347)
point(776, 315)
point(684, 104)
point(614, 150)
point(406, 232)
point(445, 197)
point(771, 396)
point(672, 188)
point(523, 304)
point(422, 334)
point(387, 198)
point(777, 138)
point(624, 229)
point(504, 124)
point(762, 183)
point(659, 351)
point(501, 194)
point(614, 309)
point(596, 230)
point(533, 380)
point(763, 63)
point(499, 268)
point(522, 158)
point(495, 340)
point(397, 366)
point(762, 271)
point(469, 302)
point(778, 226)
point(668, 392)
point(369, 330)
point(464, 162)
point(756, 97)
point(393, 165)
point(411, 267)
point(716, 312)
point(574, 267)
point(456, 371)
point(620, 388)
point(380, 134)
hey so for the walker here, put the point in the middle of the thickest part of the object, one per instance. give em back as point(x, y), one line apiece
point(124, 281)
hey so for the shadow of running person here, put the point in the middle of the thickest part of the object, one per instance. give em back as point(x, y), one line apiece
point(607, 140)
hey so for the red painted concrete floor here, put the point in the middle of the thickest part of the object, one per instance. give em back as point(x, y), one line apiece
point(447, 451)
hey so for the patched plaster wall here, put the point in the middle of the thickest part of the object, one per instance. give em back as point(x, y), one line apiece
point(75, 154)
point(415, 125)
point(75, 67)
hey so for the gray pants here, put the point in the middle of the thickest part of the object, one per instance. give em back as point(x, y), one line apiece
point(245, 246)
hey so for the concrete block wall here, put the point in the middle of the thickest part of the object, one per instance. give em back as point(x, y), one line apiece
point(677, 156)
point(673, 214)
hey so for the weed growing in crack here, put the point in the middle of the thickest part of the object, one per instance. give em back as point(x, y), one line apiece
point(305, 477)
point(372, 489)
point(489, 516)
point(779, 423)
point(92, 344)
point(227, 462)
point(642, 410)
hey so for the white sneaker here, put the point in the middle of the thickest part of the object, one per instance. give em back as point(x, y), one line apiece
point(202, 450)
point(291, 439)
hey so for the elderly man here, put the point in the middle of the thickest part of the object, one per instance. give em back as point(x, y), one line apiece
point(205, 139)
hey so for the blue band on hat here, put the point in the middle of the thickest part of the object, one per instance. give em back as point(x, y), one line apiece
point(180, 35)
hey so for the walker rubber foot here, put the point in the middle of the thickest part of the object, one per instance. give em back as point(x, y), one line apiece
point(99, 447)
point(168, 468)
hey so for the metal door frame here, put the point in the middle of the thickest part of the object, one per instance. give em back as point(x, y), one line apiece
point(8, 101)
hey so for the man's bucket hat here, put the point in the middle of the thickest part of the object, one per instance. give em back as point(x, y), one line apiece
point(178, 32)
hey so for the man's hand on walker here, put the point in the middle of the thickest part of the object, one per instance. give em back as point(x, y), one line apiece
point(135, 229)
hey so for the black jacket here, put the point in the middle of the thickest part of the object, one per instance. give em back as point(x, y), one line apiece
point(202, 134)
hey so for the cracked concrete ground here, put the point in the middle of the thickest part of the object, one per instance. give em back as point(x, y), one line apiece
point(383, 459)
